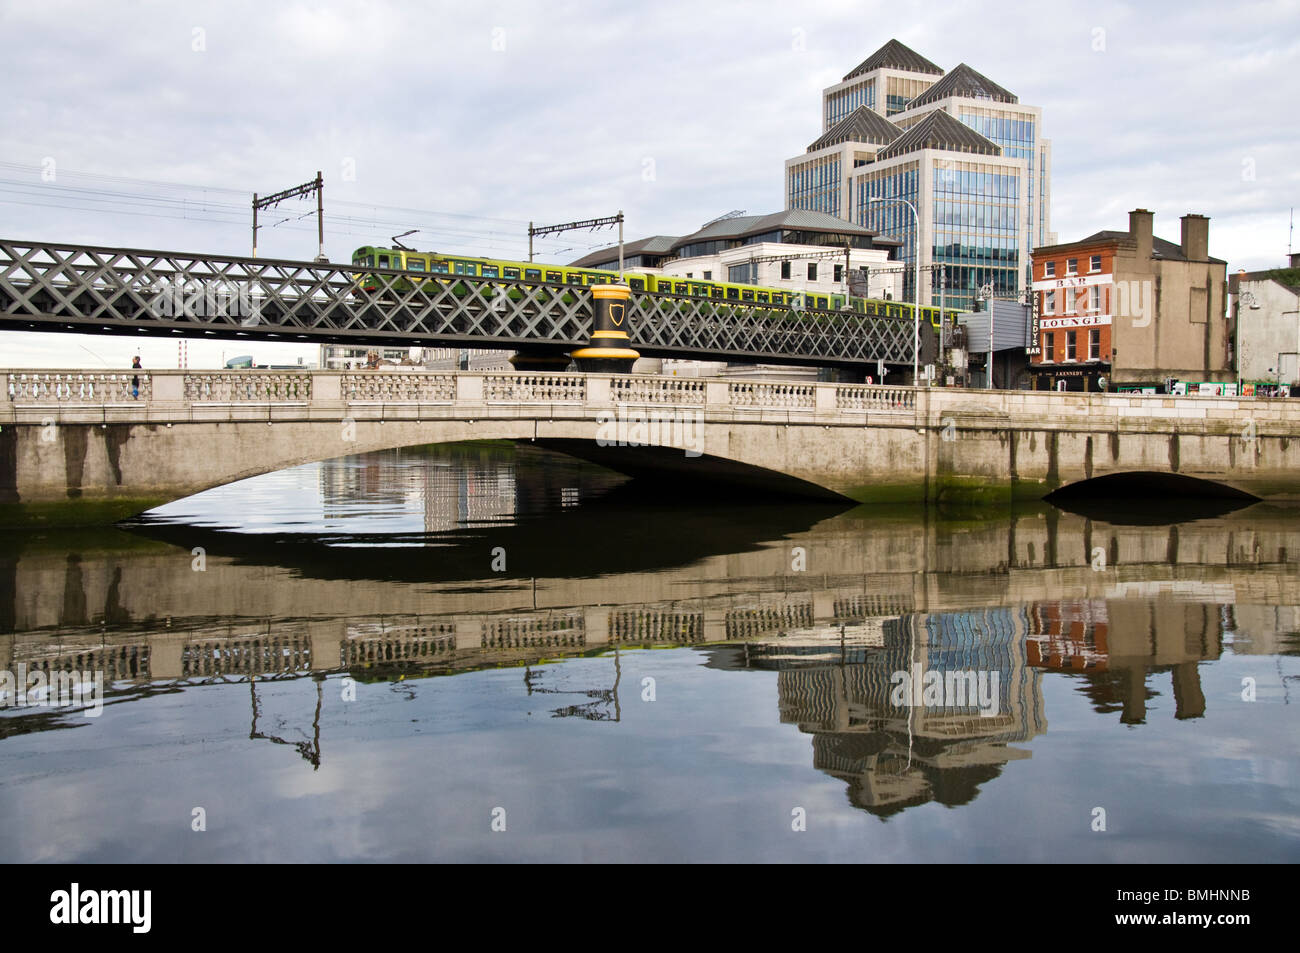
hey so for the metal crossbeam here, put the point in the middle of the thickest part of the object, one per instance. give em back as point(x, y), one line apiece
point(95, 290)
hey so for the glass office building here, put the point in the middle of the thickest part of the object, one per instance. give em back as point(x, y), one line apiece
point(964, 151)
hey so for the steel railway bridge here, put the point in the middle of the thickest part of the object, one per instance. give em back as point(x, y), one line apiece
point(95, 290)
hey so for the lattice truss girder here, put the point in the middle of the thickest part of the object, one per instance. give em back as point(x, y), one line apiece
point(85, 288)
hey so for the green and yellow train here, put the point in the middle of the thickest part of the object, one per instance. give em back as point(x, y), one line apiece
point(416, 264)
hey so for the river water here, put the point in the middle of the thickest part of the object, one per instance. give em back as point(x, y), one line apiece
point(483, 652)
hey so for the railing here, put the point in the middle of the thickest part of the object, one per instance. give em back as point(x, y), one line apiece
point(289, 387)
point(545, 388)
point(251, 386)
point(866, 397)
point(79, 387)
point(657, 390)
point(771, 394)
point(398, 387)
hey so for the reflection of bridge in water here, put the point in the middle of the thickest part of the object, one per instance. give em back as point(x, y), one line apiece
point(1018, 598)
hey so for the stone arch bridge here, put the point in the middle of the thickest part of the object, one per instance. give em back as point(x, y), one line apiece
point(86, 446)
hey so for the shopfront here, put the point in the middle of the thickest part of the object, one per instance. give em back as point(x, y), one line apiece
point(1089, 378)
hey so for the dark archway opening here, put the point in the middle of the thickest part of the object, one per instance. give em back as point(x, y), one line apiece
point(1148, 498)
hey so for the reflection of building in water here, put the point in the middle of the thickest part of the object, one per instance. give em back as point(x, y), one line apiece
point(1114, 644)
point(367, 477)
point(848, 695)
point(456, 495)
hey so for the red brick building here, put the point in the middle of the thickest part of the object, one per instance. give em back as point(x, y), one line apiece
point(1070, 343)
point(1131, 310)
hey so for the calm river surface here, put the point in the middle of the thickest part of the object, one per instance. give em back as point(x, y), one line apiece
point(479, 652)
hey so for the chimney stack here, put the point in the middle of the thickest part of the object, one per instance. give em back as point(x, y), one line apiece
point(1139, 229)
point(1196, 237)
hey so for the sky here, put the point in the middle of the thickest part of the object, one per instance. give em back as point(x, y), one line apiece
point(151, 125)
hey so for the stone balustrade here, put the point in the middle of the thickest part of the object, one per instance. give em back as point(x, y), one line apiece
point(76, 387)
point(182, 394)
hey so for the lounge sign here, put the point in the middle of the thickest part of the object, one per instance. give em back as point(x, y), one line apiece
point(1075, 321)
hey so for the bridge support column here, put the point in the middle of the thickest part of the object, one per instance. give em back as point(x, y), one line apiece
point(608, 351)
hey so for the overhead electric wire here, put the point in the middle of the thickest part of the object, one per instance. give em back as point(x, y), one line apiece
point(336, 225)
point(209, 188)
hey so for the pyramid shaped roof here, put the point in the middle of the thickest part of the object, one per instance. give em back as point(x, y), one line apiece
point(895, 55)
point(861, 125)
point(938, 130)
point(966, 83)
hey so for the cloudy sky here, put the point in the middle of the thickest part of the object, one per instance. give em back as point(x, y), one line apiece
point(150, 125)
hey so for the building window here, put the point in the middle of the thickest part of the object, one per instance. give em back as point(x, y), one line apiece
point(1049, 302)
point(839, 273)
point(708, 276)
point(1049, 347)
point(1094, 298)
point(812, 271)
point(689, 275)
point(1069, 295)
point(1094, 344)
point(1071, 345)
point(785, 269)
point(1049, 269)
point(1071, 266)
point(1095, 263)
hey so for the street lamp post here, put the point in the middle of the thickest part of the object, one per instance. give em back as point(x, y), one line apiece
point(986, 295)
point(916, 310)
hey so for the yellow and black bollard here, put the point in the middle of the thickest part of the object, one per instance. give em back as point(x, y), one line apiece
point(608, 351)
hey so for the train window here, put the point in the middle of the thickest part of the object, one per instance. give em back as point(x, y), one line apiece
point(415, 264)
point(465, 268)
point(895, 311)
point(680, 287)
point(733, 294)
point(762, 297)
point(700, 291)
point(383, 261)
point(821, 303)
point(717, 292)
point(510, 272)
point(532, 274)
point(575, 277)
point(871, 308)
point(555, 277)
point(638, 284)
point(747, 296)
point(438, 267)
point(491, 271)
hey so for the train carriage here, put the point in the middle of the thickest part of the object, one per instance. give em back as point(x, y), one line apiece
point(401, 270)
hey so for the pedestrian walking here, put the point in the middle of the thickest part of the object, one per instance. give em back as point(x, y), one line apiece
point(135, 378)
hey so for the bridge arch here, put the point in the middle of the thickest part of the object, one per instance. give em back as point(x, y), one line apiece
point(122, 470)
point(1148, 484)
